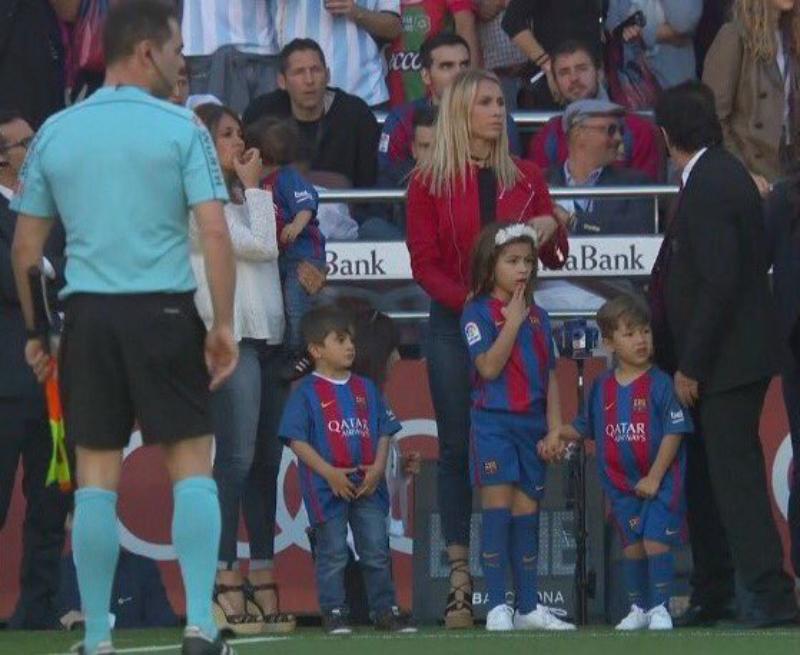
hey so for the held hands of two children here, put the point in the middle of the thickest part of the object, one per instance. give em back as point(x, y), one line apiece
point(551, 448)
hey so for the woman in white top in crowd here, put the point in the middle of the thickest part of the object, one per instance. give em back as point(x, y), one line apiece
point(247, 409)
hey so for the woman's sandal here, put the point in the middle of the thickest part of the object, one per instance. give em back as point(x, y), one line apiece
point(244, 624)
point(276, 622)
point(458, 613)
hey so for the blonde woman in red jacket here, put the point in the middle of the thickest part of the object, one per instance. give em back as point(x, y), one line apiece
point(468, 181)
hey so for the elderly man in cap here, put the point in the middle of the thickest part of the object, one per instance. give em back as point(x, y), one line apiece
point(595, 130)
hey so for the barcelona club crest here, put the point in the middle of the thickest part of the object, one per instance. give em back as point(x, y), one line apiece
point(360, 400)
point(490, 467)
point(639, 404)
point(634, 523)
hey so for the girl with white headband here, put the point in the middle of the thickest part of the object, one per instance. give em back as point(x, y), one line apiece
point(515, 404)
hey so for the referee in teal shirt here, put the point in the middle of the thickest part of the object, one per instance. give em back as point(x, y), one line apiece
point(122, 170)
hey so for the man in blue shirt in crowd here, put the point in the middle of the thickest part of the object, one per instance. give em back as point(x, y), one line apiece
point(122, 169)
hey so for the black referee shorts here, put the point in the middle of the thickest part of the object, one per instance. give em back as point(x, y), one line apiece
point(133, 357)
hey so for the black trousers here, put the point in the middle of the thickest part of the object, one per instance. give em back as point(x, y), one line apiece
point(730, 520)
point(25, 436)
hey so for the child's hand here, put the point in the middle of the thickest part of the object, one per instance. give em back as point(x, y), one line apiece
point(290, 232)
point(647, 487)
point(516, 311)
point(340, 483)
point(411, 464)
point(310, 277)
point(372, 478)
point(248, 168)
point(550, 448)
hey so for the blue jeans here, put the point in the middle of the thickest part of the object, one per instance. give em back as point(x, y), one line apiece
point(448, 376)
point(367, 519)
point(296, 300)
point(246, 411)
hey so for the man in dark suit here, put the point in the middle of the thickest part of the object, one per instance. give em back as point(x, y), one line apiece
point(714, 325)
point(24, 428)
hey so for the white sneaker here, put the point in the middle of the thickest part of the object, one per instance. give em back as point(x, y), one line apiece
point(542, 618)
point(637, 619)
point(500, 619)
point(659, 618)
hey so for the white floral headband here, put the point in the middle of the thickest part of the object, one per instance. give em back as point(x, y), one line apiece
point(516, 231)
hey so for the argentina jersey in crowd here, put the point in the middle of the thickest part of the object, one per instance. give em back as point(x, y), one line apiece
point(628, 423)
point(343, 420)
point(522, 385)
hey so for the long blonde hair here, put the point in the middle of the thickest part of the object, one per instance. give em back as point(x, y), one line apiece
point(755, 17)
point(449, 157)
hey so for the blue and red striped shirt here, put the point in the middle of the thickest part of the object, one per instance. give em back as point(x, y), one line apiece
point(522, 386)
point(343, 421)
point(292, 193)
point(628, 423)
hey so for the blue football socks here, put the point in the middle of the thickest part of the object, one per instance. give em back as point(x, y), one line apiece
point(195, 535)
point(525, 560)
point(95, 550)
point(661, 573)
point(496, 524)
point(634, 577)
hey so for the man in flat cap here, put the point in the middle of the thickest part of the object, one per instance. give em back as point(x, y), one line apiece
point(595, 130)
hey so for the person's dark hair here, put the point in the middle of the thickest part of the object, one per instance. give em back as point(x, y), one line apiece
point(688, 114)
point(624, 310)
point(7, 116)
point(211, 114)
point(571, 46)
point(299, 45)
point(276, 139)
point(319, 322)
point(376, 338)
point(485, 256)
point(433, 42)
point(424, 117)
point(133, 21)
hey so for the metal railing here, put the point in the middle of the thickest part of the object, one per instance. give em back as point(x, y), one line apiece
point(524, 119)
point(399, 195)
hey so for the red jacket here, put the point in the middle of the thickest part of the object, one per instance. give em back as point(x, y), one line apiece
point(442, 230)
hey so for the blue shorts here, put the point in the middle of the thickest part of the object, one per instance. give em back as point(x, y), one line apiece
point(637, 520)
point(502, 450)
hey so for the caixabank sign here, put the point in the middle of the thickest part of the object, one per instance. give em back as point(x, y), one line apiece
point(589, 257)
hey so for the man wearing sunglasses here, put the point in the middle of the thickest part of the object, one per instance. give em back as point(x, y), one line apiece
point(24, 429)
point(595, 131)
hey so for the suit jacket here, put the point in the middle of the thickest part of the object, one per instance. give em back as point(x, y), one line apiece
point(781, 214)
point(16, 377)
point(613, 215)
point(750, 101)
point(717, 297)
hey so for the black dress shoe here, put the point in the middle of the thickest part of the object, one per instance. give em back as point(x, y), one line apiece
point(699, 616)
point(758, 618)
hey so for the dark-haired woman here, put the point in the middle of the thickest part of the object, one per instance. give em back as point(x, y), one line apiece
point(247, 408)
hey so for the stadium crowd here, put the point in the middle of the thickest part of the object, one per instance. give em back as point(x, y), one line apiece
point(289, 97)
